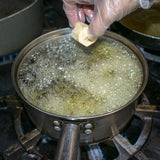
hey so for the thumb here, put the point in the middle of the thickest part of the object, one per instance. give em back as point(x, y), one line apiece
point(97, 27)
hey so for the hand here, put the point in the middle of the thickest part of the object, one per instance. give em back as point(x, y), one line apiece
point(78, 10)
point(100, 13)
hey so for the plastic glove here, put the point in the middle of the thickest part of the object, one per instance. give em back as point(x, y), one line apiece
point(101, 13)
point(76, 10)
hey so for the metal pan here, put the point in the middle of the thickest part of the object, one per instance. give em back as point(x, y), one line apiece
point(20, 23)
point(74, 130)
point(142, 27)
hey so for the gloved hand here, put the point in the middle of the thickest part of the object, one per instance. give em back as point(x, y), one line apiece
point(100, 13)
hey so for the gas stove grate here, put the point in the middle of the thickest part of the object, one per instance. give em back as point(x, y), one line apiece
point(126, 150)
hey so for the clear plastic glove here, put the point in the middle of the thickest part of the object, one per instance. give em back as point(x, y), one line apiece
point(100, 13)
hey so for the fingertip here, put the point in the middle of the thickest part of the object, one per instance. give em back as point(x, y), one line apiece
point(89, 11)
point(96, 27)
point(70, 24)
point(91, 36)
point(81, 15)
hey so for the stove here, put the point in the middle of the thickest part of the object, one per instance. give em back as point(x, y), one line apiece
point(140, 139)
point(20, 139)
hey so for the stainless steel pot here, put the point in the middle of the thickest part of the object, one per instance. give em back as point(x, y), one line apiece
point(74, 130)
point(133, 28)
point(140, 39)
point(19, 28)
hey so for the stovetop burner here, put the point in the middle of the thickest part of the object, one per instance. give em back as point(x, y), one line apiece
point(27, 143)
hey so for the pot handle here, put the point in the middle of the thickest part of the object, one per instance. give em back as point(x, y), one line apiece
point(68, 144)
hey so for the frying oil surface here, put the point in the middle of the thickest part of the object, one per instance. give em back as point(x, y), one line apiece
point(65, 78)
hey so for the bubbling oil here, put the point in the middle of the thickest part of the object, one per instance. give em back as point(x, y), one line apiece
point(62, 77)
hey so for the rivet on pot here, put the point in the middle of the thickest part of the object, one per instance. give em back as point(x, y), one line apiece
point(88, 126)
point(57, 128)
point(88, 131)
point(56, 123)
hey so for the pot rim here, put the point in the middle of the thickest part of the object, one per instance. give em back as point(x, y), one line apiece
point(20, 11)
point(65, 31)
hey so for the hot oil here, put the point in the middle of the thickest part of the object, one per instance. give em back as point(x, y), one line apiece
point(65, 78)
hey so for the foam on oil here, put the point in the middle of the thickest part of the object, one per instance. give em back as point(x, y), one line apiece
point(65, 78)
